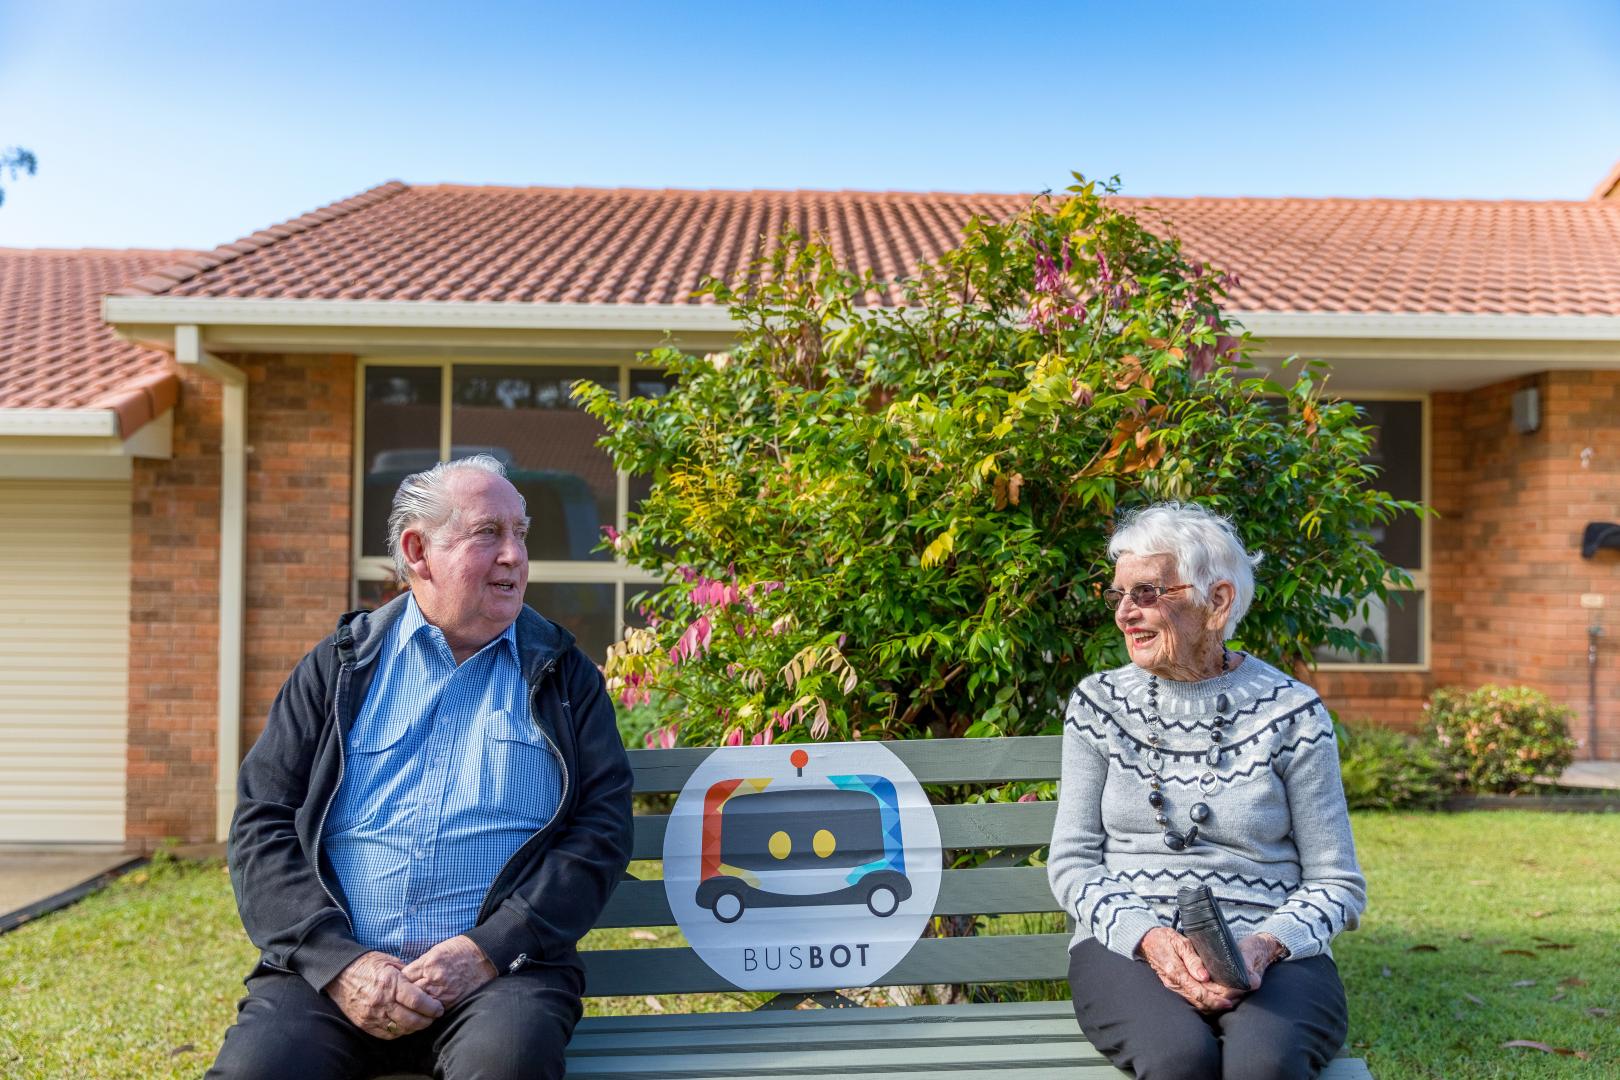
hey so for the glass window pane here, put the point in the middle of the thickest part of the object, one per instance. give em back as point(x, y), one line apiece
point(1398, 452)
point(525, 417)
point(586, 610)
point(401, 437)
point(1394, 629)
point(646, 382)
point(374, 594)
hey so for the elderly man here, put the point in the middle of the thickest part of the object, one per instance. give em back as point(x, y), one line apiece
point(437, 811)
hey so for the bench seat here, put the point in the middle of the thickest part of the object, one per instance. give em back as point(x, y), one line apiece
point(1021, 1040)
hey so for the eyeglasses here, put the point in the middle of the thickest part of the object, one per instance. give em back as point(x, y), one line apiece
point(1141, 595)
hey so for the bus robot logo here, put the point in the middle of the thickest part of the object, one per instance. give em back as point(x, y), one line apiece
point(802, 847)
point(802, 867)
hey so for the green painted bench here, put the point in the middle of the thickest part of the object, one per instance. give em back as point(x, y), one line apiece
point(1025, 1040)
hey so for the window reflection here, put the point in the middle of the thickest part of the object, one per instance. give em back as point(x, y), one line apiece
point(401, 437)
point(1393, 629)
point(585, 610)
point(525, 417)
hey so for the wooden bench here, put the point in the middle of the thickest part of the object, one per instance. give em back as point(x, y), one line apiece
point(1027, 1040)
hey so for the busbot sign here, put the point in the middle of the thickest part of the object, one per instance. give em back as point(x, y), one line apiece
point(802, 867)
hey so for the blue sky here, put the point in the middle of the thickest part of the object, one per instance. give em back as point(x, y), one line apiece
point(188, 124)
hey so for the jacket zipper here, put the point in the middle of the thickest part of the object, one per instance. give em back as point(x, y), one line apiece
point(337, 706)
point(562, 767)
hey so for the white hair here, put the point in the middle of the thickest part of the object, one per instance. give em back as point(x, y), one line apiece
point(1204, 544)
point(423, 500)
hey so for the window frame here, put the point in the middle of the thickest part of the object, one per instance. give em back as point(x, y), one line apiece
point(625, 579)
point(1420, 578)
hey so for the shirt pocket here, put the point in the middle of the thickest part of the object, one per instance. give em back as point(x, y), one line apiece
point(520, 775)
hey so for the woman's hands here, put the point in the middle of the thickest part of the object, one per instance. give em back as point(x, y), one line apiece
point(1176, 963)
point(1259, 951)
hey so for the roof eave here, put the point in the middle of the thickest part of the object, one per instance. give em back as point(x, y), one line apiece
point(130, 314)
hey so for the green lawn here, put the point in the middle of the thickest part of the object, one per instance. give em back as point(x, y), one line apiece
point(1483, 928)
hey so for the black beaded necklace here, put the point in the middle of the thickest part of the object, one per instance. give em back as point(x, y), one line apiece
point(1174, 839)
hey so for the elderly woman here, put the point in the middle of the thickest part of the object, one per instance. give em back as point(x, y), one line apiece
point(1198, 765)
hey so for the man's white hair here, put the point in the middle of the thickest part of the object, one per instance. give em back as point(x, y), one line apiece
point(1204, 544)
point(423, 501)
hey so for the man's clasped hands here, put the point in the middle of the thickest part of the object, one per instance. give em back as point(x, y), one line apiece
point(386, 997)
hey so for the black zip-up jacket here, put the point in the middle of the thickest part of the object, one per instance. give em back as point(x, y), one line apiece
point(546, 896)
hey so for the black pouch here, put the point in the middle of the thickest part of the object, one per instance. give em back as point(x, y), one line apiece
point(1203, 925)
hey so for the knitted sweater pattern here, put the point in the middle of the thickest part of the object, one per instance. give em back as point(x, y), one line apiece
point(1276, 850)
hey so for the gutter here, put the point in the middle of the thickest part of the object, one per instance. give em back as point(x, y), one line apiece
point(128, 312)
point(68, 423)
point(189, 352)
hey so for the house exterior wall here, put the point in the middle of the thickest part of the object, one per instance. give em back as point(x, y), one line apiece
point(1504, 593)
point(300, 431)
point(1508, 576)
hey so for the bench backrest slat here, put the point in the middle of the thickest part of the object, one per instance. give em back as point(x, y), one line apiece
point(931, 761)
point(973, 827)
point(1010, 890)
point(1005, 958)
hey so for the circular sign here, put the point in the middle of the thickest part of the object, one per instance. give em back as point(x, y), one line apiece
point(802, 868)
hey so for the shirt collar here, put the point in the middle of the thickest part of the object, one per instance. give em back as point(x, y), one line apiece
point(412, 622)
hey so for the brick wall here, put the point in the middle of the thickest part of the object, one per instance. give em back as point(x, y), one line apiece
point(174, 627)
point(1507, 574)
point(300, 427)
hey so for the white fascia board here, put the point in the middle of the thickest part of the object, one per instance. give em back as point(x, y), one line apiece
point(1296, 325)
point(59, 423)
point(469, 315)
point(435, 314)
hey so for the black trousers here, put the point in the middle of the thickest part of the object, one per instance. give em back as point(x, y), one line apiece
point(1289, 1029)
point(515, 1026)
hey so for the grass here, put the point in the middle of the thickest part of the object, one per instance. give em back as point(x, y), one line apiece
point(1483, 928)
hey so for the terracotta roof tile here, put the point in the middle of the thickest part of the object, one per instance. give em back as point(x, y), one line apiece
point(56, 353)
point(633, 246)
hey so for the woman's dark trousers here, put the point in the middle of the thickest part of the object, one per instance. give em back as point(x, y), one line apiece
point(1289, 1029)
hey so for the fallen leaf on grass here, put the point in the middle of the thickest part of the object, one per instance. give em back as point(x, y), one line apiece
point(653, 1003)
point(1475, 998)
point(643, 935)
point(1554, 945)
point(1519, 952)
point(1597, 1011)
point(1573, 980)
point(1560, 996)
point(183, 1048)
point(1521, 983)
point(1465, 937)
point(1424, 948)
point(1530, 1044)
point(1540, 914)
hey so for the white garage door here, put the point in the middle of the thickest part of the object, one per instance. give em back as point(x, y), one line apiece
point(64, 659)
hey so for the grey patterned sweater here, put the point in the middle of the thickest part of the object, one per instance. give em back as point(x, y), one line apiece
point(1276, 850)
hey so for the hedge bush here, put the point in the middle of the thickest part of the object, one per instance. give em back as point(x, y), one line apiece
point(1499, 738)
point(1390, 770)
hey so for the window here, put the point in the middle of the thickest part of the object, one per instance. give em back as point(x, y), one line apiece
point(414, 414)
point(1398, 629)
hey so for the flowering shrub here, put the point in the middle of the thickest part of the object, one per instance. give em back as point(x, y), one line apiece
point(1389, 770)
point(884, 512)
point(1499, 738)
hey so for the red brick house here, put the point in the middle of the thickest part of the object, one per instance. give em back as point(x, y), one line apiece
point(228, 428)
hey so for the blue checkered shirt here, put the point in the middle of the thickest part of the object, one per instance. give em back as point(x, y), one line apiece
point(445, 777)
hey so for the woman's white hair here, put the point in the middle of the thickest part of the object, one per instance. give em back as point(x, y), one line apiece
point(423, 501)
point(1204, 544)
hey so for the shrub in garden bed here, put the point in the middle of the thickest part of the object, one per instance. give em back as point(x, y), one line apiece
point(1497, 739)
point(1390, 770)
